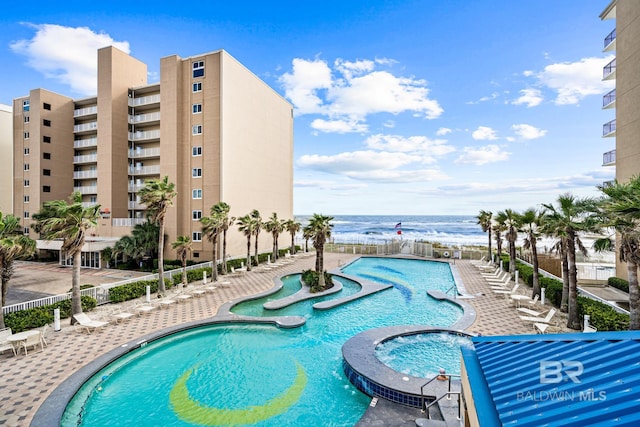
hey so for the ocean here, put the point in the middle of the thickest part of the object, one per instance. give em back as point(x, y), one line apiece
point(372, 229)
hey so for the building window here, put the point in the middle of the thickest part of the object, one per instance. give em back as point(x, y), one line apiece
point(46, 172)
point(197, 130)
point(25, 105)
point(196, 215)
point(196, 172)
point(196, 151)
point(26, 151)
point(46, 122)
point(93, 199)
point(26, 230)
point(197, 108)
point(26, 119)
point(26, 214)
point(196, 236)
point(197, 87)
point(26, 166)
point(46, 156)
point(46, 139)
point(26, 199)
point(26, 182)
point(26, 135)
point(196, 194)
point(198, 69)
point(46, 189)
point(196, 254)
point(46, 106)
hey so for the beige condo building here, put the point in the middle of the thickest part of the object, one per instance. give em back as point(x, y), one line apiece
point(624, 99)
point(6, 161)
point(214, 128)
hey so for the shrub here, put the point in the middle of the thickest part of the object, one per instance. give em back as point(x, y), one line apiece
point(135, 290)
point(312, 279)
point(618, 283)
point(36, 317)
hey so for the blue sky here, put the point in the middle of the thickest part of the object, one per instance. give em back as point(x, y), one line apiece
point(401, 107)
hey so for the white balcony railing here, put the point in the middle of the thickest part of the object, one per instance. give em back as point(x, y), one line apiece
point(142, 118)
point(144, 152)
point(137, 205)
point(87, 189)
point(127, 222)
point(609, 128)
point(144, 170)
point(134, 188)
point(85, 127)
point(87, 158)
point(84, 143)
point(85, 174)
point(609, 70)
point(145, 100)
point(609, 100)
point(87, 111)
point(609, 158)
point(144, 135)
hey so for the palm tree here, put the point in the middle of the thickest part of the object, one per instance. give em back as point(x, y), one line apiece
point(158, 195)
point(128, 247)
point(485, 222)
point(222, 209)
point(621, 209)
point(509, 220)
point(257, 227)
point(211, 227)
point(292, 226)
point(13, 245)
point(319, 229)
point(530, 222)
point(275, 226)
point(572, 217)
point(182, 246)
point(245, 225)
point(498, 228)
point(70, 222)
point(146, 236)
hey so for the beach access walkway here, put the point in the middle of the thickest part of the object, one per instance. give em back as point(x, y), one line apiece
point(26, 381)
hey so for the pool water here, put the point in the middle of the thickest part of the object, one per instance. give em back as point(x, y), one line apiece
point(259, 374)
point(413, 354)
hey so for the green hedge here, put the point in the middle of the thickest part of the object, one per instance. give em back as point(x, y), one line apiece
point(36, 317)
point(618, 283)
point(603, 317)
point(135, 290)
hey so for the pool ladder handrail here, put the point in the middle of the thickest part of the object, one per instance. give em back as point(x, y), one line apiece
point(455, 293)
point(448, 394)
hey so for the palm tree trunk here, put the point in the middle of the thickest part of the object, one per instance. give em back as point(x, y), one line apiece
point(224, 251)
point(536, 269)
point(320, 266)
point(214, 269)
point(512, 258)
point(634, 296)
point(76, 301)
point(293, 244)
point(249, 253)
point(161, 288)
point(564, 302)
point(489, 231)
point(573, 321)
point(255, 251)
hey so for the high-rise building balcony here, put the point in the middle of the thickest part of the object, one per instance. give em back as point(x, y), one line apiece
point(609, 129)
point(144, 101)
point(85, 143)
point(609, 158)
point(85, 174)
point(609, 70)
point(144, 135)
point(137, 205)
point(144, 170)
point(607, 184)
point(87, 111)
point(87, 189)
point(85, 127)
point(609, 100)
point(144, 118)
point(141, 153)
point(610, 41)
point(87, 158)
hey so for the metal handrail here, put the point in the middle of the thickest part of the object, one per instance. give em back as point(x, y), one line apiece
point(448, 394)
point(434, 378)
point(455, 293)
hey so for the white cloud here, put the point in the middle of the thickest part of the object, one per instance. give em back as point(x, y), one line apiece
point(339, 126)
point(479, 156)
point(427, 149)
point(484, 133)
point(573, 81)
point(67, 54)
point(529, 97)
point(355, 89)
point(328, 185)
point(491, 97)
point(443, 131)
point(525, 131)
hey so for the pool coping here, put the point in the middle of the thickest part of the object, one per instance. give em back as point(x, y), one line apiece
point(51, 410)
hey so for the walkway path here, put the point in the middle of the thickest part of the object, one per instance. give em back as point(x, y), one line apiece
point(26, 381)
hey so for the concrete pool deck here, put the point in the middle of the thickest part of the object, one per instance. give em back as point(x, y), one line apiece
point(27, 380)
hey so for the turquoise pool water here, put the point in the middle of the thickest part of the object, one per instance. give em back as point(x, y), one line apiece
point(259, 374)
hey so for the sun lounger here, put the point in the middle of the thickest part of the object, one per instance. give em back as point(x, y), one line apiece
point(166, 302)
point(4, 344)
point(538, 319)
point(120, 314)
point(144, 308)
point(88, 324)
point(506, 291)
point(589, 328)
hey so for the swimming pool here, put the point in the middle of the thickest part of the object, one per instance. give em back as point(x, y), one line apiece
point(258, 374)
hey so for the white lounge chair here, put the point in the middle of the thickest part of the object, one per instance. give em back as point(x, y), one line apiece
point(88, 324)
point(4, 344)
point(589, 328)
point(506, 291)
point(538, 319)
point(122, 313)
